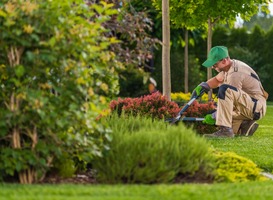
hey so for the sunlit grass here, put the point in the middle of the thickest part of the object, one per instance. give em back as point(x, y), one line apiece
point(258, 148)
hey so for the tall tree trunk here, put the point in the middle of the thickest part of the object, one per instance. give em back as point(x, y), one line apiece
point(186, 62)
point(209, 44)
point(166, 72)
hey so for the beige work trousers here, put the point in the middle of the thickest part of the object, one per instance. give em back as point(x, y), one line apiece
point(234, 106)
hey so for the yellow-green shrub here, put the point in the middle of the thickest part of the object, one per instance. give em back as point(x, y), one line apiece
point(185, 97)
point(234, 168)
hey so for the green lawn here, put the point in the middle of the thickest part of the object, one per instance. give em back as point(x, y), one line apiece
point(248, 191)
point(259, 148)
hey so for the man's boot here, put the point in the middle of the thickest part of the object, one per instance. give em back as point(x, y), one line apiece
point(248, 127)
point(222, 132)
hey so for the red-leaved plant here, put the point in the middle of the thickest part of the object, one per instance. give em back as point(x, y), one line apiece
point(154, 105)
point(158, 107)
point(201, 110)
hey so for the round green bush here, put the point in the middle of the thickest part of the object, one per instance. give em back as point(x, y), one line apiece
point(147, 151)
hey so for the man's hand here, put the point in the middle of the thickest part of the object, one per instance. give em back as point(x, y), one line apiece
point(200, 88)
point(209, 119)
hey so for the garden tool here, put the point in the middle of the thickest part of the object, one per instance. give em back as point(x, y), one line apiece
point(188, 119)
point(179, 115)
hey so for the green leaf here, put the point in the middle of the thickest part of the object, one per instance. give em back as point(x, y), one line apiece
point(20, 71)
point(2, 13)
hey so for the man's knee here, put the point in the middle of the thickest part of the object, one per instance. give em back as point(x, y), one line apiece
point(222, 90)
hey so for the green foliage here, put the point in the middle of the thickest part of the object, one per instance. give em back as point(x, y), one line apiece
point(263, 20)
point(182, 13)
point(234, 168)
point(150, 151)
point(132, 84)
point(256, 39)
point(267, 57)
point(56, 74)
point(238, 37)
point(65, 166)
point(177, 66)
point(220, 36)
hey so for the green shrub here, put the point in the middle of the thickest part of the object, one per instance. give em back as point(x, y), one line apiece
point(150, 151)
point(53, 59)
point(65, 167)
point(234, 168)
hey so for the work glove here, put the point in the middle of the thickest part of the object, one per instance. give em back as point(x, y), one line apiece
point(202, 87)
point(210, 119)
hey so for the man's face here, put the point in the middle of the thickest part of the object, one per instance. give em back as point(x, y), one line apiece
point(220, 65)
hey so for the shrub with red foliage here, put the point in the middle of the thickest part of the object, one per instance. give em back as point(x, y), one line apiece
point(154, 105)
point(157, 106)
point(197, 109)
point(200, 110)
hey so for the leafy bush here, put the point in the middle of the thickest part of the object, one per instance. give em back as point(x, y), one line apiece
point(56, 72)
point(197, 109)
point(234, 168)
point(144, 150)
point(154, 105)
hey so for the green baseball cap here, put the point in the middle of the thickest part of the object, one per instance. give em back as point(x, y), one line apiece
point(216, 54)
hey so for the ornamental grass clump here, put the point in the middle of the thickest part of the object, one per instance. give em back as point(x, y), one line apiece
point(144, 150)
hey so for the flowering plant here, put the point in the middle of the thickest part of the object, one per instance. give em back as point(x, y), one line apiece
point(185, 97)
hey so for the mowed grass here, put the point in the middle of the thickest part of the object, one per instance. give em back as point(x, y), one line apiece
point(258, 148)
point(248, 191)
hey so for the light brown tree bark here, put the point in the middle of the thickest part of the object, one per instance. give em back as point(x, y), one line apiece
point(209, 44)
point(166, 71)
point(186, 62)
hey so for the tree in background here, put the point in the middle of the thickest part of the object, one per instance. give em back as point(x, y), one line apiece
point(166, 68)
point(267, 58)
point(261, 19)
point(135, 49)
point(181, 16)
